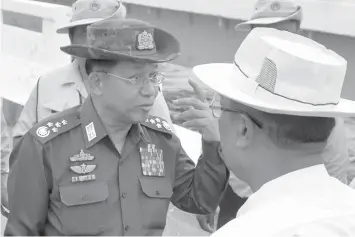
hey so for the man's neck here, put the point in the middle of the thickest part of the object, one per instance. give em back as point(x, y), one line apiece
point(274, 164)
point(116, 130)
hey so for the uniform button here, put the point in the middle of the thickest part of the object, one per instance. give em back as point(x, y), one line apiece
point(124, 195)
point(126, 227)
point(157, 193)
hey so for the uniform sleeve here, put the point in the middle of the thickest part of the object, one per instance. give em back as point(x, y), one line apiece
point(28, 117)
point(199, 190)
point(5, 146)
point(28, 189)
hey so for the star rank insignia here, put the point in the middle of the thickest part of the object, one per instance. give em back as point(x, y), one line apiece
point(152, 161)
point(58, 125)
point(49, 124)
point(166, 125)
point(55, 129)
point(159, 123)
point(82, 156)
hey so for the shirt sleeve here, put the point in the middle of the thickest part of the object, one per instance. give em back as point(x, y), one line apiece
point(28, 116)
point(28, 189)
point(199, 190)
point(5, 146)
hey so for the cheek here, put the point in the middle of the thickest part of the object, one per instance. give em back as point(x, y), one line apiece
point(223, 126)
point(224, 133)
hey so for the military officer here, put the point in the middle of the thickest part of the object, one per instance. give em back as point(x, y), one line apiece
point(65, 86)
point(106, 167)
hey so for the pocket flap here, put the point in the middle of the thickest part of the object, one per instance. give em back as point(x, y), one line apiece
point(156, 187)
point(85, 193)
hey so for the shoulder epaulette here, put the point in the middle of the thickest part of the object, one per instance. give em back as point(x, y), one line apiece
point(157, 124)
point(54, 125)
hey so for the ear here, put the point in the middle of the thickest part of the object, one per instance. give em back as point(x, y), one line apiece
point(95, 83)
point(245, 131)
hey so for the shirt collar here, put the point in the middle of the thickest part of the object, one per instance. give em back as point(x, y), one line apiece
point(293, 184)
point(94, 130)
point(75, 78)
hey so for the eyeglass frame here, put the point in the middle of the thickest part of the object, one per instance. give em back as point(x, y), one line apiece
point(215, 107)
point(134, 81)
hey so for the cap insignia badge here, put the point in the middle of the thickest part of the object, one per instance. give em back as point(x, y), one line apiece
point(95, 5)
point(275, 6)
point(145, 41)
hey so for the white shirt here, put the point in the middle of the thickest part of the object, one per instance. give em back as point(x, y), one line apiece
point(307, 202)
point(241, 188)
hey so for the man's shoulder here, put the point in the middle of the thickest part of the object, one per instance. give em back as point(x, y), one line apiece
point(58, 76)
point(56, 124)
point(157, 124)
point(63, 69)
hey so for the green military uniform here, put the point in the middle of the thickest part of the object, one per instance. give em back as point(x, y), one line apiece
point(68, 178)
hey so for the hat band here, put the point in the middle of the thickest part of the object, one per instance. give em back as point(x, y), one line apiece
point(267, 90)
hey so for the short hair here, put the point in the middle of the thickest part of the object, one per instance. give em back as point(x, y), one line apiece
point(286, 129)
point(290, 129)
point(96, 65)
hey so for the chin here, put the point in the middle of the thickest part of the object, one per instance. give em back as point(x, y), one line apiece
point(139, 117)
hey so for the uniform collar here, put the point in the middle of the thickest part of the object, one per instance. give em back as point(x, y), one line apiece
point(94, 130)
point(75, 78)
point(70, 86)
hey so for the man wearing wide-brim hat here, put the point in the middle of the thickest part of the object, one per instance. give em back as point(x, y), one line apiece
point(274, 123)
point(287, 15)
point(107, 167)
point(283, 15)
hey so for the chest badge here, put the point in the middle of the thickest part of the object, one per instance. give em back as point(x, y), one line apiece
point(152, 161)
point(84, 169)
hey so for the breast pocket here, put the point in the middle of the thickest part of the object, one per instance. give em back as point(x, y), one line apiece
point(85, 209)
point(155, 201)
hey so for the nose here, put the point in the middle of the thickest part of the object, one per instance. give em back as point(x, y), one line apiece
point(148, 89)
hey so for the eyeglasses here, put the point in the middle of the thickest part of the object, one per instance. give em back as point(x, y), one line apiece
point(155, 78)
point(217, 111)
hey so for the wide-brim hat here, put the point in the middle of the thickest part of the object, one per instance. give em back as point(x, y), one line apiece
point(269, 12)
point(282, 73)
point(115, 39)
point(87, 12)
